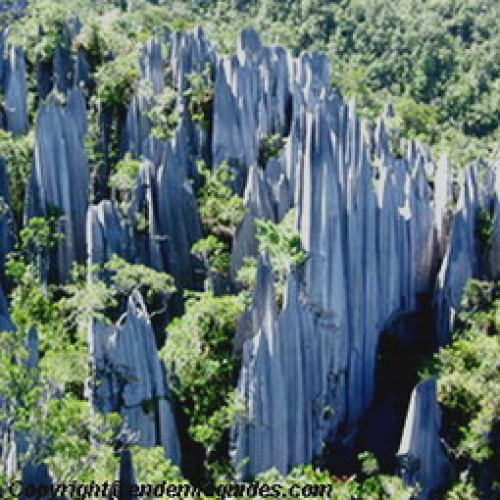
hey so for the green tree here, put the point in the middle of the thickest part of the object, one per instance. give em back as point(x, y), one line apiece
point(220, 209)
point(469, 380)
point(202, 365)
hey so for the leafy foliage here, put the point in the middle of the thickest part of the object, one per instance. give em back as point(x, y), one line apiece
point(220, 209)
point(270, 147)
point(485, 228)
point(163, 114)
point(213, 252)
point(307, 481)
point(17, 153)
point(469, 379)
point(152, 467)
point(200, 95)
point(282, 243)
point(93, 298)
point(127, 277)
point(125, 173)
point(200, 359)
point(115, 80)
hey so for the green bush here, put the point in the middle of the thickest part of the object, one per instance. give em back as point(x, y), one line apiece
point(115, 80)
point(163, 114)
point(200, 96)
point(123, 177)
point(485, 229)
point(199, 357)
point(220, 209)
point(468, 382)
point(213, 252)
point(282, 243)
point(270, 147)
point(17, 153)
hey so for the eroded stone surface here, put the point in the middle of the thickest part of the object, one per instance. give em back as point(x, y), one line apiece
point(421, 453)
point(130, 378)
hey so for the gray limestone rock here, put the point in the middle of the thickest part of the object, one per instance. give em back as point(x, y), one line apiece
point(6, 221)
point(495, 243)
point(466, 256)
point(60, 176)
point(374, 232)
point(252, 99)
point(152, 65)
point(16, 92)
point(173, 205)
point(106, 234)
point(130, 378)
point(421, 454)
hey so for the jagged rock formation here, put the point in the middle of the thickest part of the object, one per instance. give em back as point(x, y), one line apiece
point(369, 230)
point(279, 362)
point(374, 229)
point(495, 243)
point(251, 101)
point(16, 92)
point(129, 378)
point(6, 230)
point(60, 176)
point(421, 453)
point(467, 256)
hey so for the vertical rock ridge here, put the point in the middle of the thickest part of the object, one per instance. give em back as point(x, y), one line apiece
point(129, 378)
point(60, 176)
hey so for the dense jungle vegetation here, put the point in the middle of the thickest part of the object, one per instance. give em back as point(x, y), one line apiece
point(437, 61)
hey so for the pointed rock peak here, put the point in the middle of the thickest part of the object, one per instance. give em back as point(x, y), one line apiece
point(198, 32)
point(16, 56)
point(254, 181)
point(352, 107)
point(249, 42)
point(389, 111)
point(316, 70)
point(420, 453)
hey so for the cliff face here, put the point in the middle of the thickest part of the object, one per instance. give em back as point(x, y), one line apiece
point(377, 234)
point(129, 378)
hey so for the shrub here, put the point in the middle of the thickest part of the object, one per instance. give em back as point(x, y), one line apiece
point(202, 367)
point(270, 147)
point(282, 243)
point(468, 381)
point(213, 252)
point(124, 174)
point(115, 80)
point(200, 96)
point(18, 153)
point(220, 210)
point(163, 114)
